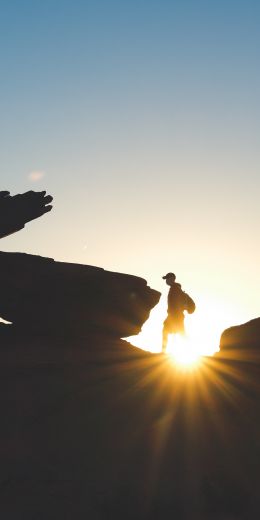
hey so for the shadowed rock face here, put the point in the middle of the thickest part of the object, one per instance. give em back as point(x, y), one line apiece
point(44, 296)
point(16, 211)
point(39, 295)
point(242, 340)
point(98, 429)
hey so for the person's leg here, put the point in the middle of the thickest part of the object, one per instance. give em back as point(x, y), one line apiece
point(164, 339)
point(182, 328)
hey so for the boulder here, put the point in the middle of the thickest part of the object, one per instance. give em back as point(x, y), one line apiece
point(44, 296)
point(242, 339)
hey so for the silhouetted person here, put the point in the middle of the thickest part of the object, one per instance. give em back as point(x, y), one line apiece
point(178, 302)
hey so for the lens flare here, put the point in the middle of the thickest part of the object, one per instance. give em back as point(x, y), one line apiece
point(203, 330)
point(183, 351)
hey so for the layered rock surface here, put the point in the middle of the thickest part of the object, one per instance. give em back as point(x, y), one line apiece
point(44, 296)
point(39, 295)
point(242, 341)
point(94, 428)
point(99, 429)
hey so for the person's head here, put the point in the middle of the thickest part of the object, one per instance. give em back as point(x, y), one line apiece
point(169, 278)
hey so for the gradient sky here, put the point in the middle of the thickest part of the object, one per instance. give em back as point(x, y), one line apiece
point(142, 119)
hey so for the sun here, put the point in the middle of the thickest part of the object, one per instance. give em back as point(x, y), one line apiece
point(203, 330)
point(183, 351)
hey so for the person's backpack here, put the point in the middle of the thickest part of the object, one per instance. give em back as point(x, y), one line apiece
point(188, 303)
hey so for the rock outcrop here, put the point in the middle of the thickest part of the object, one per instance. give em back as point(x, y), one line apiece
point(98, 429)
point(41, 296)
point(44, 296)
point(16, 211)
point(94, 428)
point(242, 340)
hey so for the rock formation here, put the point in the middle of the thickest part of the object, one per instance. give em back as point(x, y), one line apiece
point(39, 295)
point(16, 211)
point(94, 428)
point(98, 429)
point(242, 340)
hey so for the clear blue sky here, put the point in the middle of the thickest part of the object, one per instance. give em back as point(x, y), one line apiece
point(143, 119)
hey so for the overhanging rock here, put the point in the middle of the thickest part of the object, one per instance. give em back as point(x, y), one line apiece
point(40, 295)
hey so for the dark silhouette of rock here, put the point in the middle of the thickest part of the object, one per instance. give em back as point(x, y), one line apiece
point(242, 340)
point(44, 296)
point(41, 296)
point(17, 210)
point(94, 428)
point(106, 431)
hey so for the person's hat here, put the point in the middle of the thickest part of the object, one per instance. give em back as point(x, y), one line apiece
point(169, 275)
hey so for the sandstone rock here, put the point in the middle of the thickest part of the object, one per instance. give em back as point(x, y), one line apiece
point(39, 295)
point(44, 296)
point(17, 210)
point(242, 339)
